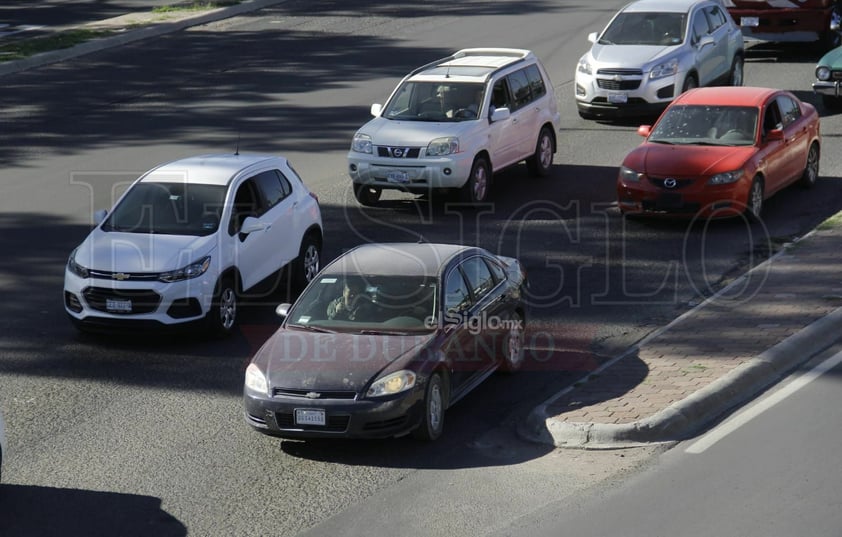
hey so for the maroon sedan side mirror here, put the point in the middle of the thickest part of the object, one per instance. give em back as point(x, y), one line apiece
point(644, 130)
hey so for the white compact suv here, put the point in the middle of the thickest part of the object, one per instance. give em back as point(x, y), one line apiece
point(453, 123)
point(190, 239)
point(652, 51)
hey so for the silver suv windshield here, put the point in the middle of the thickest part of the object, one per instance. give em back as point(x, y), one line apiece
point(659, 29)
point(435, 101)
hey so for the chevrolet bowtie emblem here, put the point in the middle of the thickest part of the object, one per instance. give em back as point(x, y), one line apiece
point(120, 276)
point(312, 395)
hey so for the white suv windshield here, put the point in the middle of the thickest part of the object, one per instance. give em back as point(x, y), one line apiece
point(435, 101)
point(661, 29)
point(168, 208)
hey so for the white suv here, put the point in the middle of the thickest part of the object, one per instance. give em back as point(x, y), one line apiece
point(188, 239)
point(652, 51)
point(453, 123)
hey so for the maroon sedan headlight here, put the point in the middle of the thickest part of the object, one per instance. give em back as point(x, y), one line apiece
point(397, 382)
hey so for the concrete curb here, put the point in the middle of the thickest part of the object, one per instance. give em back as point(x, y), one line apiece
point(684, 418)
point(154, 29)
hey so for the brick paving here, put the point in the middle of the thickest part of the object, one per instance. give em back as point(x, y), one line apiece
point(777, 299)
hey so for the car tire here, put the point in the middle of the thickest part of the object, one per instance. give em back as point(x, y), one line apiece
point(476, 187)
point(811, 170)
point(690, 83)
point(432, 422)
point(222, 316)
point(308, 263)
point(540, 163)
point(512, 359)
point(736, 77)
point(367, 195)
point(754, 203)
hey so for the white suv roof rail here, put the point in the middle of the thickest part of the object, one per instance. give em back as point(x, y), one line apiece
point(509, 52)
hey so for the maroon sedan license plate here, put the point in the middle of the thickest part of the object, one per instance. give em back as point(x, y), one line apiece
point(309, 416)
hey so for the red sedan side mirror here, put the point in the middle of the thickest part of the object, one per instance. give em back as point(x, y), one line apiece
point(775, 134)
point(644, 130)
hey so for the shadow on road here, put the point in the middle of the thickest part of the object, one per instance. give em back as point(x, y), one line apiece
point(30, 511)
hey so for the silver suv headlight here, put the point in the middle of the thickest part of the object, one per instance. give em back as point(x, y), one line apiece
point(193, 270)
point(361, 143)
point(584, 65)
point(443, 146)
point(662, 70)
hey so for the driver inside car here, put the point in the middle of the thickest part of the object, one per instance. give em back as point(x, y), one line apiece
point(349, 304)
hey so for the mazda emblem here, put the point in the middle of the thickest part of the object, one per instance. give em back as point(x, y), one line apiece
point(670, 183)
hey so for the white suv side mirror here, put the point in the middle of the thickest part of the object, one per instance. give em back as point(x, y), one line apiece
point(99, 216)
point(252, 224)
point(499, 114)
point(592, 36)
point(376, 108)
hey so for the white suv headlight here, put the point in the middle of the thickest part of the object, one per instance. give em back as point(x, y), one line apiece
point(725, 178)
point(443, 146)
point(193, 270)
point(584, 65)
point(396, 382)
point(662, 70)
point(256, 380)
point(75, 267)
point(361, 143)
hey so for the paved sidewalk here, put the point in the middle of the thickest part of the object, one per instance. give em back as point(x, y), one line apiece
point(713, 358)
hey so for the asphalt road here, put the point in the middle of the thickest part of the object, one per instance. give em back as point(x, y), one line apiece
point(147, 433)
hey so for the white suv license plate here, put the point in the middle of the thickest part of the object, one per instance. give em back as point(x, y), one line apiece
point(310, 416)
point(618, 98)
point(400, 177)
point(750, 21)
point(118, 305)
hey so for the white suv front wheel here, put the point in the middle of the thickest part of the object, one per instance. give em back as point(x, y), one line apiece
point(476, 187)
point(222, 316)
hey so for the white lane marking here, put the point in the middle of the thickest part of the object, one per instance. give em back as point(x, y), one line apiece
point(727, 427)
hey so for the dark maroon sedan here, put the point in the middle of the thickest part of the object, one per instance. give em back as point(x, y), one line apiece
point(385, 339)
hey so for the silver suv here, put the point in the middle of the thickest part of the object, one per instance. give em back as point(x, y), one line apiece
point(654, 50)
point(453, 123)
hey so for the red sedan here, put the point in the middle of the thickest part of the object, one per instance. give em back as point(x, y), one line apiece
point(720, 152)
